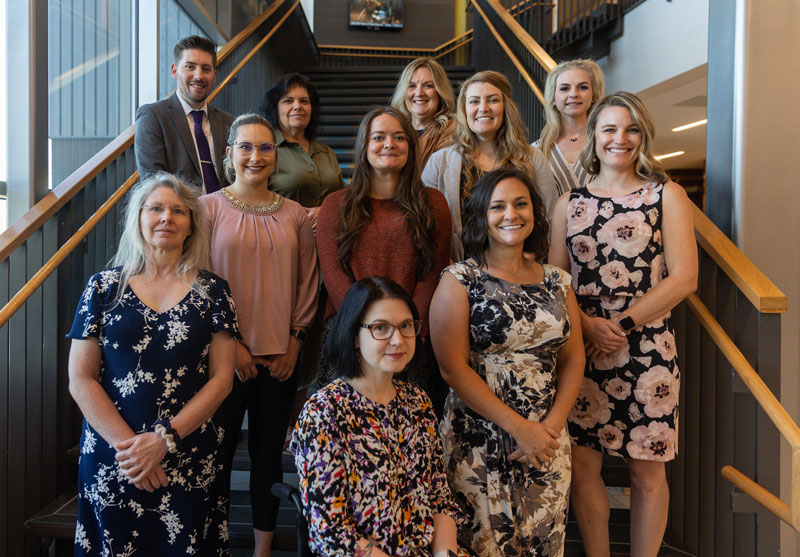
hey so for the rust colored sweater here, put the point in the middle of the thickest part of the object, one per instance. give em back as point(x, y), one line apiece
point(384, 249)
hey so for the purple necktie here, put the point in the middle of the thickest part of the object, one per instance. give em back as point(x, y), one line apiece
point(206, 164)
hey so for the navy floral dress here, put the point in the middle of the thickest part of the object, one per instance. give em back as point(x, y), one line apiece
point(515, 333)
point(628, 404)
point(371, 471)
point(152, 365)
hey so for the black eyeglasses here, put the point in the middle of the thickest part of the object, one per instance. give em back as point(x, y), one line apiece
point(384, 331)
point(246, 147)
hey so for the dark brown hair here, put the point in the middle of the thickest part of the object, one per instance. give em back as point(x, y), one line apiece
point(269, 104)
point(195, 42)
point(355, 211)
point(475, 234)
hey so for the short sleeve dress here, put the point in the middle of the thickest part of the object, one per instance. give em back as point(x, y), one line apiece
point(628, 404)
point(370, 471)
point(152, 365)
point(516, 332)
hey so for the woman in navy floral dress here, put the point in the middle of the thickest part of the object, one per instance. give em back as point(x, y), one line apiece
point(365, 445)
point(628, 239)
point(151, 359)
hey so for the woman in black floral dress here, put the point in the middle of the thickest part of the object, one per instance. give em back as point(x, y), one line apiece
point(365, 445)
point(506, 333)
point(628, 239)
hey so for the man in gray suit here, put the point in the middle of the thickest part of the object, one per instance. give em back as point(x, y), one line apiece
point(182, 134)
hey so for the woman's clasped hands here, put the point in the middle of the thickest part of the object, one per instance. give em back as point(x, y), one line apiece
point(537, 443)
point(140, 457)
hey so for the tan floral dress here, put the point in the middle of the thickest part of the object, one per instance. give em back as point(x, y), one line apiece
point(515, 332)
point(628, 405)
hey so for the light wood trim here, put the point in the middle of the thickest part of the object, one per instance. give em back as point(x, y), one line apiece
point(252, 53)
point(63, 252)
point(376, 48)
point(452, 48)
point(772, 503)
point(389, 48)
point(762, 292)
point(242, 35)
point(533, 47)
point(782, 420)
point(365, 55)
point(795, 489)
point(35, 217)
point(523, 72)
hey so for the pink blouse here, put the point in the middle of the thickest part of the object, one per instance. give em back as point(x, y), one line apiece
point(270, 263)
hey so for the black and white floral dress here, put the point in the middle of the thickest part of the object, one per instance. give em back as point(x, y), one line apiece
point(628, 404)
point(515, 333)
point(152, 365)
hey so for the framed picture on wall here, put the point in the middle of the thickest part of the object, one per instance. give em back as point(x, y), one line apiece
point(376, 14)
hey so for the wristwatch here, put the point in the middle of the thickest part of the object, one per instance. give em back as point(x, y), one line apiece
point(627, 323)
point(299, 334)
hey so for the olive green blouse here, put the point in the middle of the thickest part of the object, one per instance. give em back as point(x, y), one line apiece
point(307, 178)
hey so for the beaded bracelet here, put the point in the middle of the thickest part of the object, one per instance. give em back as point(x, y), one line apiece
point(168, 433)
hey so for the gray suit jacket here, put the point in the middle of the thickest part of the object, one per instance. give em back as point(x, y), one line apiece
point(164, 141)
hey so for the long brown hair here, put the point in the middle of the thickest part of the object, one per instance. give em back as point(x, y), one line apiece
point(355, 211)
point(511, 142)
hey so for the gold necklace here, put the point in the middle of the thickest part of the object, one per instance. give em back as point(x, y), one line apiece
point(247, 207)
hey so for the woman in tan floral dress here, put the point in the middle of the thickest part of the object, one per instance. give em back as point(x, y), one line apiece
point(506, 332)
point(627, 238)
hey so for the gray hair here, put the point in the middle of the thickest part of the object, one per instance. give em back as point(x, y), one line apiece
point(133, 253)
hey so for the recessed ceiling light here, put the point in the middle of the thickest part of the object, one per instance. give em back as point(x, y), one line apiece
point(670, 155)
point(690, 126)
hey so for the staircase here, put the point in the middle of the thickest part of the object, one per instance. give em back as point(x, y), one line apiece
point(346, 94)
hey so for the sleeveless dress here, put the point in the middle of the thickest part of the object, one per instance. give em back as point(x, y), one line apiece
point(628, 404)
point(516, 332)
point(152, 364)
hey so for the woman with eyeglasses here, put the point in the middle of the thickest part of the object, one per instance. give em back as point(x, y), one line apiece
point(366, 448)
point(386, 223)
point(263, 244)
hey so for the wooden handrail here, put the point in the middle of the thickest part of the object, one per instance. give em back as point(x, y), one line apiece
point(63, 252)
point(771, 406)
point(782, 420)
point(34, 218)
point(390, 48)
point(452, 48)
point(762, 292)
point(253, 52)
point(242, 35)
point(761, 495)
point(523, 72)
point(531, 45)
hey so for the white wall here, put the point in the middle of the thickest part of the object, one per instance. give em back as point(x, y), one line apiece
point(308, 8)
point(660, 40)
point(767, 181)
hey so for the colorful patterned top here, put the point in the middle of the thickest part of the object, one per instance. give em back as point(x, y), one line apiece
point(370, 471)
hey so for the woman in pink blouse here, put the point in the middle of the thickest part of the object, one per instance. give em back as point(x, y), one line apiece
point(263, 245)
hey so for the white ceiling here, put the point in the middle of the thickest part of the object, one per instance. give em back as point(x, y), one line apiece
point(675, 102)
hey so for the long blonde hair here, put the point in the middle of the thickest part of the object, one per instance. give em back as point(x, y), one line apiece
point(133, 253)
point(552, 127)
point(447, 101)
point(646, 167)
point(511, 144)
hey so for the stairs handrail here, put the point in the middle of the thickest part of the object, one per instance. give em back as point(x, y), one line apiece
point(396, 52)
point(35, 217)
point(760, 291)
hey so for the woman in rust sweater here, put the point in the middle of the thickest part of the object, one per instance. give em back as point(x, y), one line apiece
point(386, 223)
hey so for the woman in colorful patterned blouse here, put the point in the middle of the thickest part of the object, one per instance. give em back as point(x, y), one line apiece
point(628, 239)
point(365, 445)
point(151, 359)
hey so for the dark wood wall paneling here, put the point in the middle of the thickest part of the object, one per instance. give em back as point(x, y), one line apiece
point(427, 24)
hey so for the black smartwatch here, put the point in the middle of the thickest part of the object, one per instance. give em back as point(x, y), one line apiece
point(299, 334)
point(627, 323)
